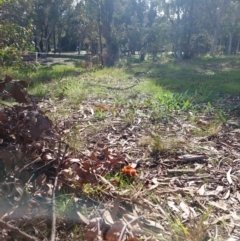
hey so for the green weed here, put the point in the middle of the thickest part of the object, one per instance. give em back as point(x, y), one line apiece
point(65, 205)
point(121, 180)
point(194, 230)
point(100, 114)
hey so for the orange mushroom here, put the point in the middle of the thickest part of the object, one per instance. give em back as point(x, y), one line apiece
point(129, 171)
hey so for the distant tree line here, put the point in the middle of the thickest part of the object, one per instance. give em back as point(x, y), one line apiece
point(187, 28)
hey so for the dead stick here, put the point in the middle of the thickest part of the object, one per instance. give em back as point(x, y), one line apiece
point(53, 231)
point(113, 88)
point(125, 226)
point(17, 231)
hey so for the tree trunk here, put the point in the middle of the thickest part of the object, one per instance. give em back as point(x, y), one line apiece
point(80, 46)
point(142, 56)
point(238, 43)
point(54, 40)
point(230, 44)
point(48, 35)
point(214, 41)
point(187, 50)
point(112, 54)
point(220, 12)
point(100, 44)
point(107, 20)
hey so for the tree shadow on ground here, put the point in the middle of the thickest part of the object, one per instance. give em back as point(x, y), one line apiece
point(206, 77)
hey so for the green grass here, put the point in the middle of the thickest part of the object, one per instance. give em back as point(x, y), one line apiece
point(204, 77)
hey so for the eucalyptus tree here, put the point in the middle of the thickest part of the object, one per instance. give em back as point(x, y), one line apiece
point(182, 14)
point(46, 14)
point(101, 12)
point(138, 16)
point(15, 31)
point(107, 16)
point(215, 11)
point(231, 27)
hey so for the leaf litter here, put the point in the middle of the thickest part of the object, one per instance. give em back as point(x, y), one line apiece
point(134, 178)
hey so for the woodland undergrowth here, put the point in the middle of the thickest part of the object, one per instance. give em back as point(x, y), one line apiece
point(122, 165)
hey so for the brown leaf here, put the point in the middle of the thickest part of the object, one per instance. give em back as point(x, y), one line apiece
point(17, 93)
point(3, 118)
point(40, 180)
point(8, 79)
point(24, 176)
point(8, 160)
point(95, 229)
point(23, 83)
point(100, 145)
point(2, 86)
point(43, 124)
point(93, 156)
point(85, 177)
point(101, 107)
point(114, 231)
point(106, 152)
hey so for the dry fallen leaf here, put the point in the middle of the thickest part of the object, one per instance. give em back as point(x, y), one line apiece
point(3, 118)
point(17, 93)
point(83, 218)
point(222, 218)
point(219, 204)
point(229, 176)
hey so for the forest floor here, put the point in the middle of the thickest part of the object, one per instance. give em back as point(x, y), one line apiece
point(143, 151)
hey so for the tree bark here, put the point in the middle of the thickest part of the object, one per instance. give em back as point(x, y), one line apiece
point(48, 35)
point(187, 50)
point(54, 40)
point(230, 44)
point(238, 43)
point(220, 12)
point(107, 19)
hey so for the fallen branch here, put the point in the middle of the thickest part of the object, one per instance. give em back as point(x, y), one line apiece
point(189, 157)
point(18, 233)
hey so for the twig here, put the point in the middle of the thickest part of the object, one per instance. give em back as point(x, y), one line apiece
point(114, 88)
point(29, 164)
point(17, 231)
point(53, 231)
point(125, 226)
point(38, 230)
point(189, 171)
